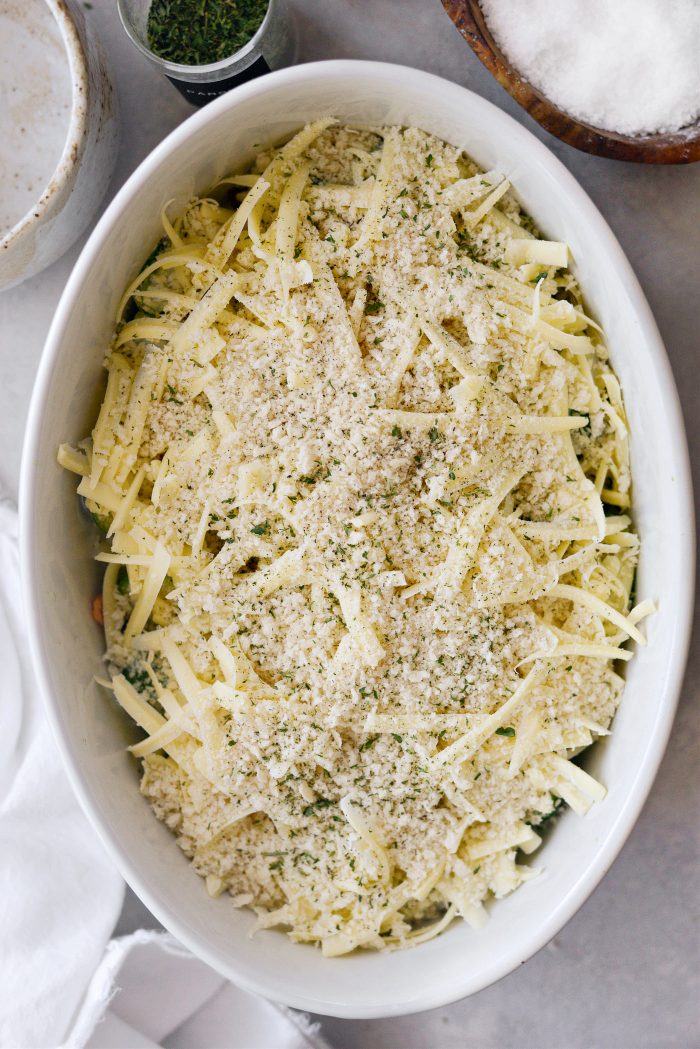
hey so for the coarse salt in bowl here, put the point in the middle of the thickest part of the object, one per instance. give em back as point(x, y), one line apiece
point(627, 67)
point(60, 576)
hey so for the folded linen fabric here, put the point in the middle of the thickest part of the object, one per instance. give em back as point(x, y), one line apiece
point(149, 991)
point(60, 894)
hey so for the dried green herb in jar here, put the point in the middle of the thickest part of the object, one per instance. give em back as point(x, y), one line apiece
point(199, 32)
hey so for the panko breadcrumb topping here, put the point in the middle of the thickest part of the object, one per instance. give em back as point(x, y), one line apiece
point(363, 471)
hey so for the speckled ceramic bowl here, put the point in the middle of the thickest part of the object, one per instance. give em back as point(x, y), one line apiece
point(65, 204)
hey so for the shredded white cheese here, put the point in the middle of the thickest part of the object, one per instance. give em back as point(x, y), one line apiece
point(353, 465)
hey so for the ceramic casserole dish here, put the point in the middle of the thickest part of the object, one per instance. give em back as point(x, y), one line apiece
point(60, 576)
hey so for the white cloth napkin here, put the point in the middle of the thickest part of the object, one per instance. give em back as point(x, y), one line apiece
point(59, 893)
point(61, 982)
point(166, 997)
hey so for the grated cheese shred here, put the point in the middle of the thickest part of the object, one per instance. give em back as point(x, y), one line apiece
point(361, 466)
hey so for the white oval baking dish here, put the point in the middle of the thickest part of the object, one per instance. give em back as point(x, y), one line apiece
point(60, 577)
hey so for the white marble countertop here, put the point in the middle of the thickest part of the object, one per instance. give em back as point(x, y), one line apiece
point(625, 971)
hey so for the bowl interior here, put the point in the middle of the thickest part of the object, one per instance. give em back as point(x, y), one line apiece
point(60, 577)
point(36, 89)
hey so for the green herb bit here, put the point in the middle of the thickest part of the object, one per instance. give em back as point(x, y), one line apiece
point(138, 677)
point(199, 32)
point(103, 522)
point(159, 248)
point(320, 803)
point(123, 580)
point(261, 529)
point(508, 731)
point(558, 805)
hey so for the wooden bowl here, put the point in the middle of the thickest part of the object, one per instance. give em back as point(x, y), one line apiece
point(677, 147)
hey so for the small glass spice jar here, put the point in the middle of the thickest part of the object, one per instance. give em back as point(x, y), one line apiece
point(271, 47)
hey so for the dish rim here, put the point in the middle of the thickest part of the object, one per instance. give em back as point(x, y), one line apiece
point(570, 902)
